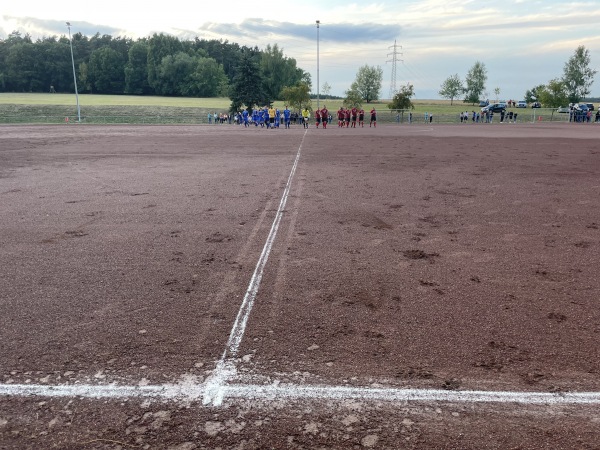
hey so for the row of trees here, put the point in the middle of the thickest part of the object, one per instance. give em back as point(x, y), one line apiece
point(574, 85)
point(157, 65)
point(164, 65)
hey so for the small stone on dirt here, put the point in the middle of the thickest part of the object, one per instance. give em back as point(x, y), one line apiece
point(369, 441)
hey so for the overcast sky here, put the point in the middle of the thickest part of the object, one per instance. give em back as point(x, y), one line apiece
point(522, 43)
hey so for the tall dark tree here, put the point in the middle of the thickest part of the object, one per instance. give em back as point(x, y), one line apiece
point(278, 71)
point(368, 83)
point(208, 79)
point(107, 71)
point(136, 69)
point(578, 75)
point(159, 46)
point(22, 68)
point(173, 72)
point(56, 57)
point(247, 88)
point(225, 53)
point(475, 80)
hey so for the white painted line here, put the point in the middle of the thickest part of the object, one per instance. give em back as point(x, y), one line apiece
point(226, 370)
point(186, 392)
point(303, 392)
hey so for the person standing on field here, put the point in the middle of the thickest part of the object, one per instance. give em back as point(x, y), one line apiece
point(361, 117)
point(340, 115)
point(324, 116)
point(373, 118)
point(305, 117)
point(354, 114)
point(287, 114)
point(271, 112)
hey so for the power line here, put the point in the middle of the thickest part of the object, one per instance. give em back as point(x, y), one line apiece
point(394, 54)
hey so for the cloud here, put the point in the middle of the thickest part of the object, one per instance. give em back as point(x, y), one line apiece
point(40, 27)
point(259, 31)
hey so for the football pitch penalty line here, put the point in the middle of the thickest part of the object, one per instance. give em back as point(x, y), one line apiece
point(225, 369)
point(188, 392)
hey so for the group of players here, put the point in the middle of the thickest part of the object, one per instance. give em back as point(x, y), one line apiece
point(267, 116)
point(271, 117)
point(347, 117)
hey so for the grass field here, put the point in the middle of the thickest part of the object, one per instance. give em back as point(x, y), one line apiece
point(53, 108)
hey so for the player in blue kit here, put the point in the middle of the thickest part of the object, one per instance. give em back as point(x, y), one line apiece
point(277, 117)
point(287, 114)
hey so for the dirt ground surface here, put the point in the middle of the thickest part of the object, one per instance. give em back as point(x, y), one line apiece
point(453, 258)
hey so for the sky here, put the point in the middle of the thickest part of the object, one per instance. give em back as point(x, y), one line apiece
point(522, 43)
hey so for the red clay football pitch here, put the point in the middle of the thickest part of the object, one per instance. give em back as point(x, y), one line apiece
point(202, 287)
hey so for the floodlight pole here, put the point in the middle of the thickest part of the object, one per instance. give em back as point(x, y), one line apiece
point(318, 22)
point(74, 77)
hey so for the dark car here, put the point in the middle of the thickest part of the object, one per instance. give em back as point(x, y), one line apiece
point(591, 106)
point(495, 107)
point(536, 105)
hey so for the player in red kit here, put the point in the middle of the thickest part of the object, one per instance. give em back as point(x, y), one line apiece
point(324, 116)
point(354, 114)
point(340, 116)
point(347, 118)
point(361, 117)
point(373, 118)
point(317, 117)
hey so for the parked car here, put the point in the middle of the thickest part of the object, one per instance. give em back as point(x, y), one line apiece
point(581, 107)
point(591, 106)
point(563, 109)
point(522, 104)
point(536, 105)
point(495, 107)
point(483, 103)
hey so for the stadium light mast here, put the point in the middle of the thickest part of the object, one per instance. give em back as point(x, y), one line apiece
point(318, 22)
point(74, 77)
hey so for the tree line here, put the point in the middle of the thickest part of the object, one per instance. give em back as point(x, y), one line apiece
point(157, 65)
point(574, 85)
